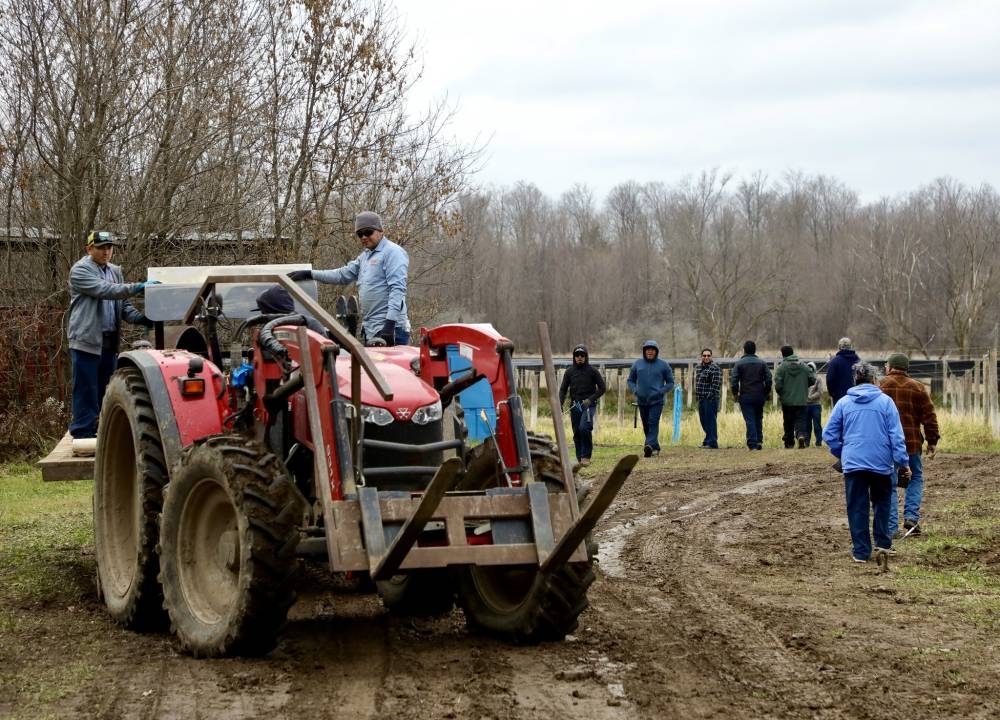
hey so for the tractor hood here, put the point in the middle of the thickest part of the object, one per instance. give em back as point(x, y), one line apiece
point(409, 391)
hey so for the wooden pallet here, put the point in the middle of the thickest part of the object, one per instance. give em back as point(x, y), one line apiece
point(61, 464)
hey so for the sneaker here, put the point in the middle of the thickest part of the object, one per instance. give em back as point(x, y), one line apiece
point(647, 451)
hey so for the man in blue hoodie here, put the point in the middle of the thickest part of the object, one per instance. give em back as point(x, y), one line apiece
point(650, 379)
point(865, 433)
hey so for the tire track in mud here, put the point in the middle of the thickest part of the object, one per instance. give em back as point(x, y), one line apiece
point(678, 567)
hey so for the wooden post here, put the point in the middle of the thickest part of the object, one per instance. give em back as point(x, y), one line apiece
point(622, 387)
point(534, 399)
point(690, 384)
point(557, 423)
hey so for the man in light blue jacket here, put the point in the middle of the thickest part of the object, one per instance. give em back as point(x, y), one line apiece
point(649, 380)
point(865, 433)
point(380, 272)
point(97, 305)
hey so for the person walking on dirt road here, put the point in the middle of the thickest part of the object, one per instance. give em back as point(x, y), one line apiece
point(585, 385)
point(839, 373)
point(750, 382)
point(792, 380)
point(708, 390)
point(380, 272)
point(865, 434)
point(916, 413)
point(97, 305)
point(814, 408)
point(650, 379)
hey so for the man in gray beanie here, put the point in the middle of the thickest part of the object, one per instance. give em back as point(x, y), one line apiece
point(380, 272)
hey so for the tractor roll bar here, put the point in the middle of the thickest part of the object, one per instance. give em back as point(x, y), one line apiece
point(359, 357)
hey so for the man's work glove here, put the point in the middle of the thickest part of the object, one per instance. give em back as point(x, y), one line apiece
point(298, 275)
point(586, 403)
point(388, 332)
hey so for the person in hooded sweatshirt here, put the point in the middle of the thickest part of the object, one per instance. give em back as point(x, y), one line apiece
point(792, 380)
point(865, 434)
point(585, 385)
point(839, 375)
point(650, 379)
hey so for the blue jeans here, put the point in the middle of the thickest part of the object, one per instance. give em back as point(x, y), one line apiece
point(582, 439)
point(753, 416)
point(861, 488)
point(90, 378)
point(650, 416)
point(912, 497)
point(814, 426)
point(708, 410)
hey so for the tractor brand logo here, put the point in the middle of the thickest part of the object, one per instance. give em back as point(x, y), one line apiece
point(402, 413)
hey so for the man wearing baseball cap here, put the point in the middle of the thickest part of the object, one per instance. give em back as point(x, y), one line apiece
point(380, 272)
point(97, 305)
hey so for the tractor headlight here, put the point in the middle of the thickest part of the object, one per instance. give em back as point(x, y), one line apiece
point(377, 415)
point(428, 413)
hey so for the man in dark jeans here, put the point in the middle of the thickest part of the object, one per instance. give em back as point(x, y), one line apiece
point(750, 382)
point(707, 389)
point(585, 385)
point(792, 381)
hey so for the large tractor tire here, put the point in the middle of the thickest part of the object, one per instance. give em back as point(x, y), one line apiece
point(421, 593)
point(227, 537)
point(522, 604)
point(129, 475)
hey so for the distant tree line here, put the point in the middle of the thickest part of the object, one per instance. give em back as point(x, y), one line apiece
point(715, 260)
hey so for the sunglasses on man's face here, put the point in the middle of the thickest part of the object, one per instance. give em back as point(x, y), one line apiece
point(366, 233)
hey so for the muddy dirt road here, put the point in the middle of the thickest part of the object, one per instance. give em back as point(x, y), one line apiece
point(726, 591)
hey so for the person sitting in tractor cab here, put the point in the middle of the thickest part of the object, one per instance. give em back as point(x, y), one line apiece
point(278, 301)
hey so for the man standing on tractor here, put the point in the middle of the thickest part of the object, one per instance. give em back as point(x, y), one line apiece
point(650, 379)
point(97, 305)
point(585, 385)
point(380, 272)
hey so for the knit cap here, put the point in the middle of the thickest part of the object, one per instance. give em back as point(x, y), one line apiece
point(368, 219)
point(898, 361)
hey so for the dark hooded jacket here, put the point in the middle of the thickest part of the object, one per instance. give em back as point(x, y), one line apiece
point(839, 376)
point(583, 382)
point(648, 380)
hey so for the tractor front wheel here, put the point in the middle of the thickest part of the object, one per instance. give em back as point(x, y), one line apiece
point(228, 537)
point(522, 604)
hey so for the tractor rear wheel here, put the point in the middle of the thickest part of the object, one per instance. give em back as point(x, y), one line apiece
point(522, 604)
point(228, 536)
point(129, 475)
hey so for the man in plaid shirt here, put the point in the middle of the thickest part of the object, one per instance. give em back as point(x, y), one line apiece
point(707, 388)
point(916, 414)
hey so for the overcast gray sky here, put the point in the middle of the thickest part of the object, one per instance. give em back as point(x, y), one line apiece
point(884, 95)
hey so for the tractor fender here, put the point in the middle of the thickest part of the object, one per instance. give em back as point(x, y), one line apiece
point(199, 416)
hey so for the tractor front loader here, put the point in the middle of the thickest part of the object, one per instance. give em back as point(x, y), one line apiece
point(217, 472)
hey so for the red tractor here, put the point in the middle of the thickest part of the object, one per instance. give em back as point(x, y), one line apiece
point(217, 472)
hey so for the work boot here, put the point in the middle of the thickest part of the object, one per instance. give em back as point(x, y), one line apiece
point(647, 451)
point(911, 526)
point(585, 461)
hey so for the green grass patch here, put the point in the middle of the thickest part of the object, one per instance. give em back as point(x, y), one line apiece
point(46, 538)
